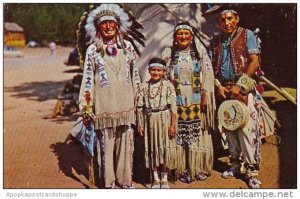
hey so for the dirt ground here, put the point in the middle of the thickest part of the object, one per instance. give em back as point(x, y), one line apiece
point(35, 155)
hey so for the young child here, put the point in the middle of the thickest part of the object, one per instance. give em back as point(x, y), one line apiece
point(156, 112)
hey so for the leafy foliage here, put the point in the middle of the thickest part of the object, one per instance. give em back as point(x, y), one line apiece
point(278, 25)
point(46, 22)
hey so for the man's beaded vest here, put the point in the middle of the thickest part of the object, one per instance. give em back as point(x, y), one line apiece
point(238, 50)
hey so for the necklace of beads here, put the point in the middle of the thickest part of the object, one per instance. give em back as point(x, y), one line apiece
point(157, 92)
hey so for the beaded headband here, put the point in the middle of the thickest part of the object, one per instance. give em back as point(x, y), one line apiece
point(187, 27)
point(156, 65)
point(226, 11)
point(106, 15)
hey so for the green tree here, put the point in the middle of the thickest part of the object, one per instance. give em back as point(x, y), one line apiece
point(46, 22)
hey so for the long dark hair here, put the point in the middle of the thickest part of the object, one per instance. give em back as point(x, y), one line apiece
point(174, 48)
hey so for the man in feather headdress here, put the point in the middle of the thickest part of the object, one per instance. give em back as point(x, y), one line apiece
point(111, 76)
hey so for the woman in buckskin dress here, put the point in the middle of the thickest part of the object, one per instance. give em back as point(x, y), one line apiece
point(189, 69)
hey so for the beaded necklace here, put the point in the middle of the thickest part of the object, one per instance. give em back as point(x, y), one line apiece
point(158, 92)
point(196, 79)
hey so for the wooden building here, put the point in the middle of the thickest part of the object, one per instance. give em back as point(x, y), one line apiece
point(13, 35)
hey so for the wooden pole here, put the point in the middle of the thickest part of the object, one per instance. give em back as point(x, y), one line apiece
point(90, 158)
point(281, 91)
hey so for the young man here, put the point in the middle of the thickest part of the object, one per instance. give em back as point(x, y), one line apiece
point(235, 57)
point(111, 77)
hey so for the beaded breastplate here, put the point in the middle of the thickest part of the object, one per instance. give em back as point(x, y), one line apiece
point(189, 122)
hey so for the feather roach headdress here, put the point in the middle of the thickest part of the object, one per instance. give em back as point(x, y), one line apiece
point(88, 31)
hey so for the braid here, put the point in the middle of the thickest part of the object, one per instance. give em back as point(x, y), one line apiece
point(195, 50)
point(174, 48)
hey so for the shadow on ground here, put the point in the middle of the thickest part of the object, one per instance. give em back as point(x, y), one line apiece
point(37, 91)
point(41, 92)
point(71, 158)
point(287, 114)
point(76, 70)
point(61, 119)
